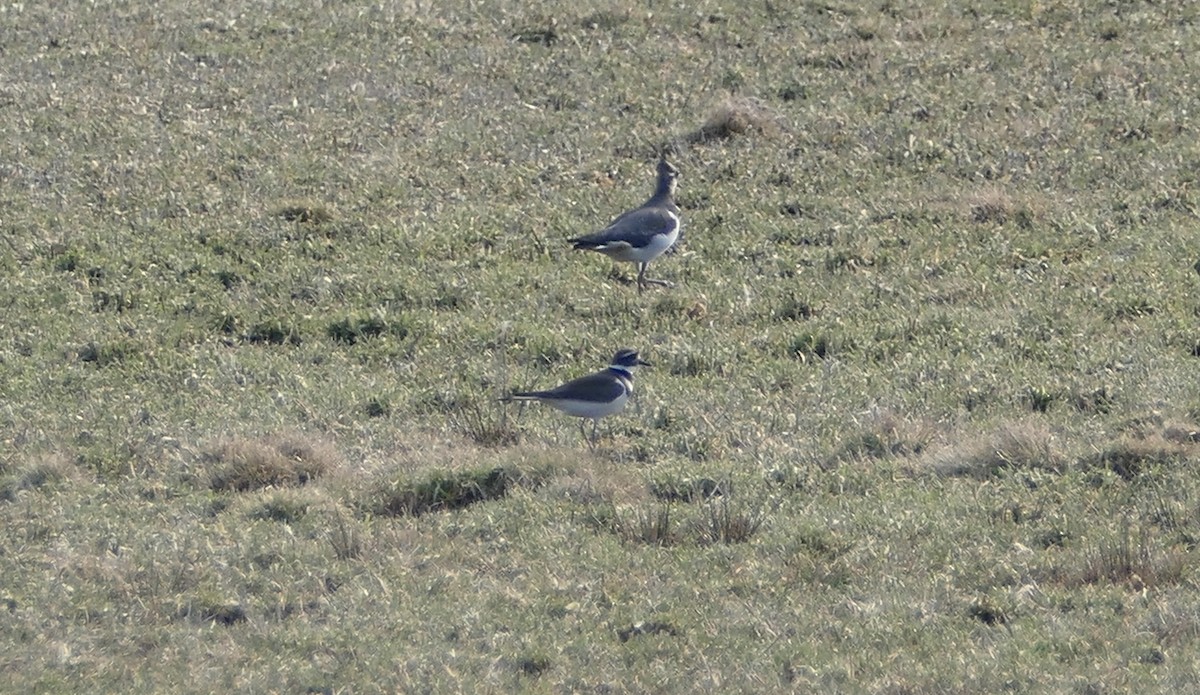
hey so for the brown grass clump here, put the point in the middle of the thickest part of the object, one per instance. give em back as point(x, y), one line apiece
point(737, 116)
point(1026, 444)
point(276, 461)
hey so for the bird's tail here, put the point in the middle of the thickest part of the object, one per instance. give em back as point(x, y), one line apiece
point(586, 244)
point(524, 396)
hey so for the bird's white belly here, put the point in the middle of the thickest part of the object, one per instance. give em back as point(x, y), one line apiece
point(643, 254)
point(656, 247)
point(590, 409)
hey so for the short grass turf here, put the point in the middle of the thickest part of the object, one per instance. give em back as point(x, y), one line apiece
point(923, 416)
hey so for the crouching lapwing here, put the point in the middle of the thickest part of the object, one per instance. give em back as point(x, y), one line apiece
point(593, 396)
point(644, 233)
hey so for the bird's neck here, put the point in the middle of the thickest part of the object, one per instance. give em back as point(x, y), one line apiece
point(622, 373)
point(664, 191)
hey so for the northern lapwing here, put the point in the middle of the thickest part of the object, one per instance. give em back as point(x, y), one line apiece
point(593, 396)
point(643, 233)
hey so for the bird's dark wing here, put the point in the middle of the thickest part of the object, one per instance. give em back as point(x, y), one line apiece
point(635, 228)
point(593, 387)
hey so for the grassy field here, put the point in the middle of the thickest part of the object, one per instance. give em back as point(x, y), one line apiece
point(924, 413)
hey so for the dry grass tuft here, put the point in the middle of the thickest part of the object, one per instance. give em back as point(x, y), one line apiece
point(721, 520)
point(345, 538)
point(488, 428)
point(283, 506)
point(737, 116)
point(689, 489)
point(648, 525)
point(303, 211)
point(534, 665)
point(212, 610)
point(605, 19)
point(1132, 559)
point(244, 464)
point(1098, 400)
point(654, 627)
point(1181, 433)
point(40, 471)
point(725, 520)
point(543, 32)
point(988, 612)
point(597, 486)
point(444, 490)
point(1143, 449)
point(992, 205)
point(887, 434)
point(1024, 445)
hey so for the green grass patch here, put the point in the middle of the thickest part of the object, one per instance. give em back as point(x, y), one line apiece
point(924, 386)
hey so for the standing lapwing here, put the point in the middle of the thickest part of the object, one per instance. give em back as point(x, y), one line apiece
point(593, 396)
point(644, 233)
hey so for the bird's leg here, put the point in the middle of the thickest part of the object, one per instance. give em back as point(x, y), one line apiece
point(642, 280)
point(595, 424)
point(583, 433)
